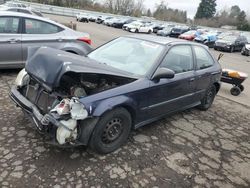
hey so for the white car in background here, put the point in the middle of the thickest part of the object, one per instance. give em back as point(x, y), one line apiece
point(139, 27)
point(82, 17)
point(109, 22)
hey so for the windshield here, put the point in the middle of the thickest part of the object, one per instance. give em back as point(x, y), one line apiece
point(176, 30)
point(167, 29)
point(136, 23)
point(190, 33)
point(134, 56)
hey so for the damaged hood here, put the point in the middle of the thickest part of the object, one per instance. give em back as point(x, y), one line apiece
point(47, 65)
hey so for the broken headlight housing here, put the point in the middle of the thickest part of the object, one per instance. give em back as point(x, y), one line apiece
point(22, 78)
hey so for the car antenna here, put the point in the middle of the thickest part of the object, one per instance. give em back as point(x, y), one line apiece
point(220, 56)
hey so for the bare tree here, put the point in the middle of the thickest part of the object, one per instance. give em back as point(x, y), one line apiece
point(138, 8)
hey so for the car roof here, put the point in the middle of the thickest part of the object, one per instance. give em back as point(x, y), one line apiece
point(23, 8)
point(161, 40)
point(19, 14)
point(17, 8)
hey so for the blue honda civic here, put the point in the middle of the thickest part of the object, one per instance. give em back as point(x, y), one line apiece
point(127, 83)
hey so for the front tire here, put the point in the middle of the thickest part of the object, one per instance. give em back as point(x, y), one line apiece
point(208, 99)
point(112, 131)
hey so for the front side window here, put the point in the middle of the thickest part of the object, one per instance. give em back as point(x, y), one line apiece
point(132, 55)
point(40, 27)
point(9, 25)
point(203, 58)
point(179, 59)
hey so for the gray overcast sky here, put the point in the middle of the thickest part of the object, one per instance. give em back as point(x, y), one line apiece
point(191, 5)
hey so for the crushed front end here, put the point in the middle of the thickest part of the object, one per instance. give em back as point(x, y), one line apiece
point(59, 118)
point(52, 87)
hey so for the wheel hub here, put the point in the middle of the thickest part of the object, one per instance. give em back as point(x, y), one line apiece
point(112, 130)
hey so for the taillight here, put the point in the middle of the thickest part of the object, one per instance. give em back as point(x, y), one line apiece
point(85, 39)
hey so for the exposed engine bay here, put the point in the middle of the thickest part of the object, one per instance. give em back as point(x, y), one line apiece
point(82, 85)
point(63, 102)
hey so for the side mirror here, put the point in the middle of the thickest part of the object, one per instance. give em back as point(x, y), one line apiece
point(163, 73)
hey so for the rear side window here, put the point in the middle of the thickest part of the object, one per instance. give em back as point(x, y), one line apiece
point(179, 59)
point(203, 58)
point(9, 25)
point(33, 26)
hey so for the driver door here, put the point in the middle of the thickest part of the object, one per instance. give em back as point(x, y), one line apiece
point(169, 95)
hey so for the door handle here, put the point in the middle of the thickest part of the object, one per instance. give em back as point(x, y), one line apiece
point(60, 39)
point(13, 41)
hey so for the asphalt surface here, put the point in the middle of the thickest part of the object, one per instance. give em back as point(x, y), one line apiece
point(188, 149)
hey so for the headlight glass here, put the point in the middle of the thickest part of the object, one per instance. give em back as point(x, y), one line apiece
point(22, 78)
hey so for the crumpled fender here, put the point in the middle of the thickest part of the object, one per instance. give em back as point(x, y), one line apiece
point(112, 103)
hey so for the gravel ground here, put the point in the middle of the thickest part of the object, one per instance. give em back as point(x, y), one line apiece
point(187, 149)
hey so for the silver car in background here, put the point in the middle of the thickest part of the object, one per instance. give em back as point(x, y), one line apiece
point(28, 10)
point(20, 31)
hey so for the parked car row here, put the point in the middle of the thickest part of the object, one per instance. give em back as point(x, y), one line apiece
point(219, 40)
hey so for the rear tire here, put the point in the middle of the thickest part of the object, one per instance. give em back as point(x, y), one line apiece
point(208, 99)
point(235, 91)
point(111, 131)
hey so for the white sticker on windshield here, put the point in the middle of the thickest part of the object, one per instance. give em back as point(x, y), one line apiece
point(149, 44)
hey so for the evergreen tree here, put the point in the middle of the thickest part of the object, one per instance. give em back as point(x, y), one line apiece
point(235, 11)
point(241, 17)
point(242, 22)
point(206, 9)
